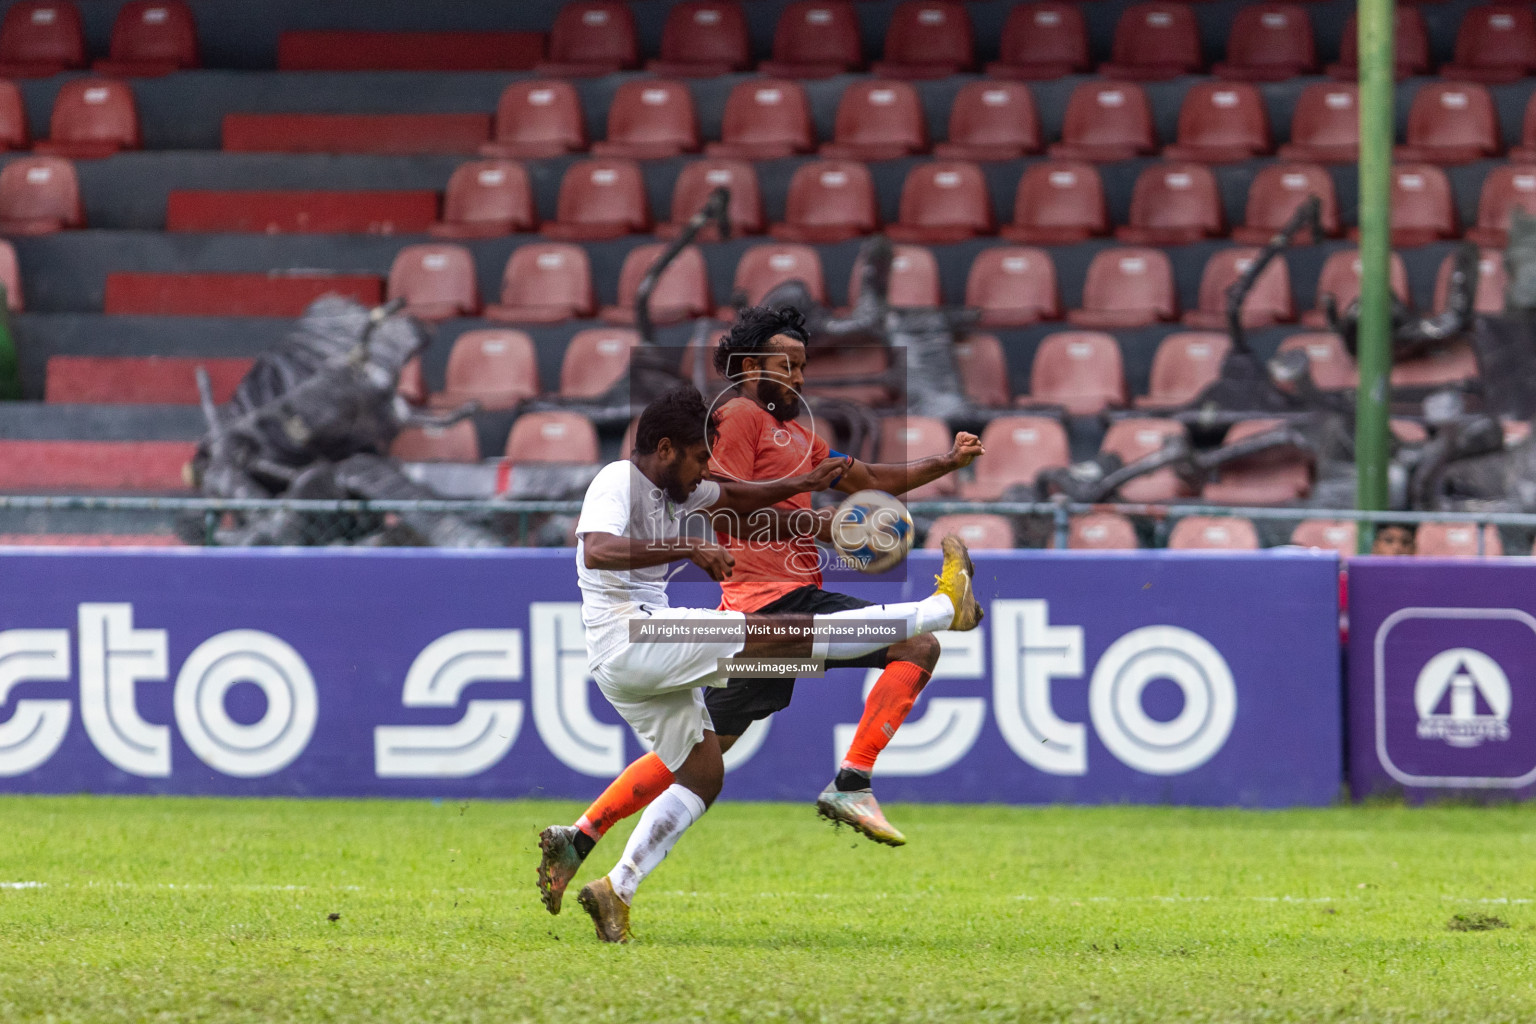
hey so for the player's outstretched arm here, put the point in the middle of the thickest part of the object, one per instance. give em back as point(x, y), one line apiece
point(741, 497)
point(900, 477)
point(619, 554)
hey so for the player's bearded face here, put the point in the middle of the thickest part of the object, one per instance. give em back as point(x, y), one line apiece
point(680, 475)
point(782, 376)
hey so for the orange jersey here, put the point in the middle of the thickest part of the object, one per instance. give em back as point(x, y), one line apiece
point(754, 447)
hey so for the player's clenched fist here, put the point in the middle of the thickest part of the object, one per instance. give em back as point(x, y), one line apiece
point(713, 559)
point(967, 447)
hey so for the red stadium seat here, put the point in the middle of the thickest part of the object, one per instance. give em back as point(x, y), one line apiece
point(544, 283)
point(1268, 43)
point(1173, 204)
point(1451, 123)
point(1410, 39)
point(591, 38)
point(763, 268)
point(927, 39)
point(39, 38)
point(702, 39)
point(600, 199)
point(139, 380)
point(1326, 535)
point(1452, 364)
point(1270, 478)
point(1329, 361)
point(1325, 127)
point(1013, 286)
point(765, 119)
point(1456, 540)
point(1505, 189)
point(1127, 287)
point(411, 385)
point(1213, 533)
point(914, 277)
point(981, 531)
point(537, 118)
point(14, 133)
point(698, 180)
point(1526, 151)
point(151, 37)
point(75, 466)
point(991, 121)
point(1274, 195)
point(1183, 366)
point(815, 39)
point(253, 294)
point(1492, 279)
point(1106, 122)
point(1101, 531)
point(39, 195)
point(1134, 439)
point(456, 443)
point(1423, 207)
point(983, 370)
point(909, 438)
point(487, 198)
point(681, 293)
point(1018, 448)
point(877, 120)
point(92, 118)
point(436, 281)
point(497, 368)
point(1340, 278)
point(650, 120)
point(943, 201)
point(1268, 302)
point(1496, 43)
point(1081, 371)
point(1154, 41)
point(1221, 122)
point(1058, 202)
point(1042, 41)
point(829, 201)
point(595, 360)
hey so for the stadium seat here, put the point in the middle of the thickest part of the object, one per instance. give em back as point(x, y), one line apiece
point(981, 531)
point(1423, 206)
point(815, 39)
point(765, 119)
point(1101, 531)
point(555, 436)
point(497, 368)
point(1058, 202)
point(1268, 302)
point(436, 281)
point(591, 38)
point(1453, 364)
point(1495, 43)
point(1127, 287)
point(544, 283)
point(92, 118)
point(456, 443)
point(1270, 478)
point(914, 279)
point(600, 199)
point(1492, 279)
point(681, 293)
point(983, 370)
point(1042, 41)
point(1213, 533)
point(1325, 127)
point(1326, 535)
point(485, 199)
point(1526, 151)
point(150, 37)
point(1136, 438)
point(829, 201)
point(1018, 448)
point(1081, 371)
point(698, 180)
point(10, 278)
point(1456, 540)
point(877, 120)
point(991, 121)
point(1330, 363)
point(763, 268)
point(1106, 122)
point(909, 438)
point(1268, 43)
point(943, 201)
point(1219, 123)
point(1505, 189)
point(1410, 38)
point(1275, 193)
point(1450, 123)
point(39, 38)
point(927, 39)
point(14, 133)
point(1340, 278)
point(1184, 364)
point(1013, 286)
point(595, 360)
point(703, 39)
point(537, 118)
point(410, 385)
point(1173, 204)
point(39, 195)
point(1155, 41)
point(650, 119)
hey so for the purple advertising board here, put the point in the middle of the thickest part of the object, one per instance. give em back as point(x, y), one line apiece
point(1442, 669)
point(1120, 677)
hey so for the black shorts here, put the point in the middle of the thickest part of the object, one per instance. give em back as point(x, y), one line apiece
point(736, 705)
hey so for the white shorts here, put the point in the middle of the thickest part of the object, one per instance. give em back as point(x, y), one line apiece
point(657, 687)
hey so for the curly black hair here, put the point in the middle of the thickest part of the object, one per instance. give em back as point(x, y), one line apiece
point(681, 415)
point(754, 329)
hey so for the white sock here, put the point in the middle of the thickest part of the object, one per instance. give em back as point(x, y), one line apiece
point(929, 615)
point(667, 818)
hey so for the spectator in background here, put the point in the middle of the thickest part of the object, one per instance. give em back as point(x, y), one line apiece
point(1394, 539)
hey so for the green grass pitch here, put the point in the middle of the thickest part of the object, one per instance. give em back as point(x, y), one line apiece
point(399, 911)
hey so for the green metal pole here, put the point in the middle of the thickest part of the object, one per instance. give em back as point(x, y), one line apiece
point(1377, 119)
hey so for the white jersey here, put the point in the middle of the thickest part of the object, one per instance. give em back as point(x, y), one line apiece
point(621, 501)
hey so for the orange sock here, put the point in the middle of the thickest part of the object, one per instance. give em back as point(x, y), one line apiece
point(643, 781)
point(885, 709)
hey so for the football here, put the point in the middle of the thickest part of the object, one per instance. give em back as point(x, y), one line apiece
point(872, 531)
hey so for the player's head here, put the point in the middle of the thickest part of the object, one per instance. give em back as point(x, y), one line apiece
point(674, 436)
point(1394, 539)
point(764, 354)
